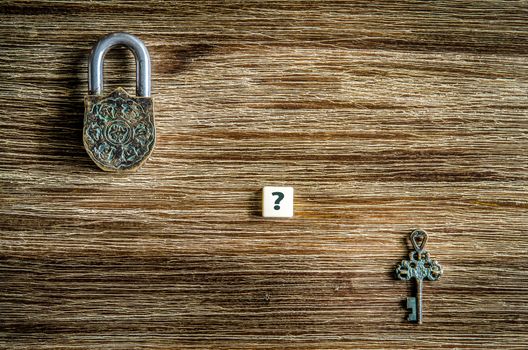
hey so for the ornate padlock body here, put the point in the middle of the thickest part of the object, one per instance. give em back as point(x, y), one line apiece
point(119, 132)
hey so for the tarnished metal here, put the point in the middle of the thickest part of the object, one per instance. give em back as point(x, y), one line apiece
point(420, 267)
point(119, 131)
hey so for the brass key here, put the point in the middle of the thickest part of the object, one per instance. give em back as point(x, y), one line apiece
point(420, 267)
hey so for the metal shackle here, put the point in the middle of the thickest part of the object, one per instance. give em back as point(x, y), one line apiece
point(95, 66)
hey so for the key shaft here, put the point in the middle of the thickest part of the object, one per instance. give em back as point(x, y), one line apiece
point(419, 306)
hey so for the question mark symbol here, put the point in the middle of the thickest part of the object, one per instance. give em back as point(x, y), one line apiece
point(280, 196)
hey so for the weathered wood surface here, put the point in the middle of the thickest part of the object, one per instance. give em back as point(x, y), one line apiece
point(384, 116)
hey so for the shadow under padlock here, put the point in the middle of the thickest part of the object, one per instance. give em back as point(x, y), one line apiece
point(119, 132)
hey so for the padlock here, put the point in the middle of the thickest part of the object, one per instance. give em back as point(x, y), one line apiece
point(119, 132)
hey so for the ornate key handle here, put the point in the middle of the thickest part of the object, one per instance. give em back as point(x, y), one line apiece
point(420, 267)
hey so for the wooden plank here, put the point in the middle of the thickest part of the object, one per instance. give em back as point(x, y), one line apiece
point(383, 116)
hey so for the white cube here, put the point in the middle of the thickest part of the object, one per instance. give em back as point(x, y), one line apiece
point(277, 202)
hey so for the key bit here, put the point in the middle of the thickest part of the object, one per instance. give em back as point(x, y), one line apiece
point(411, 305)
point(420, 267)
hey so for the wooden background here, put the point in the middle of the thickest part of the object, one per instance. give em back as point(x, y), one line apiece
point(384, 116)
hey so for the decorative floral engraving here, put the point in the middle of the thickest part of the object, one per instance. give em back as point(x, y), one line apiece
point(420, 265)
point(119, 130)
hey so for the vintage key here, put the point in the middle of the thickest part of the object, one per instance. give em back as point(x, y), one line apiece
point(420, 267)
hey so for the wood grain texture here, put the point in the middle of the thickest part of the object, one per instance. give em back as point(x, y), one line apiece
point(385, 116)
